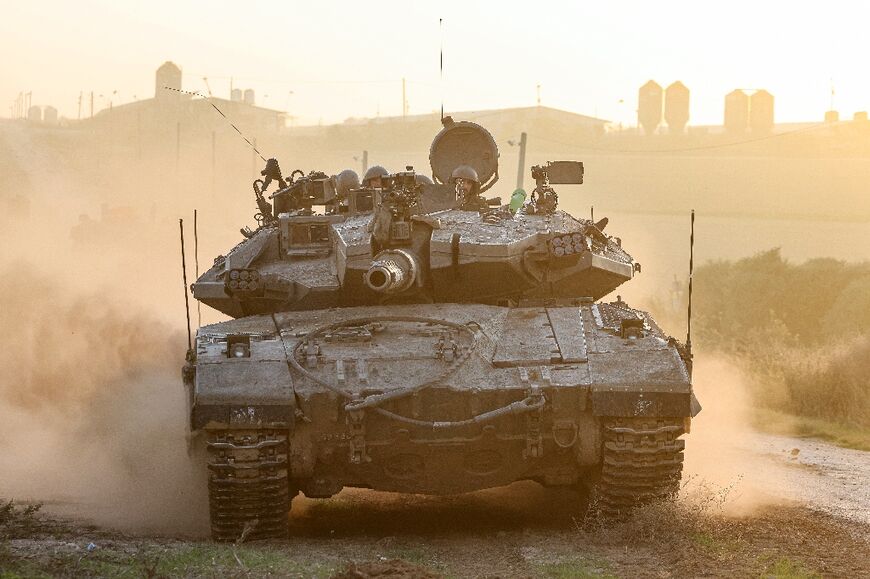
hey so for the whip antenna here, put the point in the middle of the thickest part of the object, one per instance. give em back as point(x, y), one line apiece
point(196, 262)
point(691, 271)
point(441, 64)
point(184, 277)
point(221, 113)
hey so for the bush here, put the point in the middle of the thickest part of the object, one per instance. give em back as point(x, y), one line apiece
point(18, 521)
point(802, 331)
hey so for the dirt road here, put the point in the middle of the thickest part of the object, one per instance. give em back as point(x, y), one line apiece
point(822, 476)
point(801, 509)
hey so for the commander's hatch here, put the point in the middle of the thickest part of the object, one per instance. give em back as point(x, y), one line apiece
point(307, 235)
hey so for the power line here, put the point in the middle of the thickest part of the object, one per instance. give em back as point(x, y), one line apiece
point(294, 82)
point(686, 149)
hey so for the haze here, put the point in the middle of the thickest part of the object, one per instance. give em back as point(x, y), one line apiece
point(327, 61)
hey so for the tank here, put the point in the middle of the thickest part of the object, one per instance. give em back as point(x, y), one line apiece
point(420, 337)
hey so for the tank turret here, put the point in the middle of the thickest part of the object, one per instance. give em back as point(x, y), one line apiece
point(320, 246)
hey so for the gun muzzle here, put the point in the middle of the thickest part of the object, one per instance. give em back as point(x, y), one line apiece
point(392, 271)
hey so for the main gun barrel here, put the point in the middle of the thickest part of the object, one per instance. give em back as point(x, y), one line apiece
point(392, 271)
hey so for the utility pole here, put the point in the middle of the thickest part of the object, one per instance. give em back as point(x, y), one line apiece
point(539, 94)
point(521, 169)
point(92, 104)
point(404, 101)
point(365, 162)
point(80, 105)
point(177, 146)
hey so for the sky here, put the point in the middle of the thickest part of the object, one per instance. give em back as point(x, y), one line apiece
point(326, 61)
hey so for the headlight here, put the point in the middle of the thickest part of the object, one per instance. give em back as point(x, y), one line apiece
point(240, 351)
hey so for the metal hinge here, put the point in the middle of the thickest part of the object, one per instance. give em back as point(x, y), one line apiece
point(357, 443)
point(534, 439)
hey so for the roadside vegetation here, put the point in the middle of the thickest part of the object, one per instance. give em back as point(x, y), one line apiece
point(802, 333)
point(18, 520)
point(689, 537)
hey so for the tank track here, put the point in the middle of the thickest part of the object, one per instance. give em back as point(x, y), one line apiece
point(642, 462)
point(248, 485)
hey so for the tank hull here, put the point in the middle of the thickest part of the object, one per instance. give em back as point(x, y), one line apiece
point(439, 399)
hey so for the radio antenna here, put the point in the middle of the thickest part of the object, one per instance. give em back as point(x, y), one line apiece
point(184, 277)
point(691, 271)
point(196, 263)
point(441, 64)
point(221, 113)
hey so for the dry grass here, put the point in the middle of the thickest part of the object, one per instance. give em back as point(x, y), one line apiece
point(695, 535)
point(815, 384)
point(801, 333)
point(831, 384)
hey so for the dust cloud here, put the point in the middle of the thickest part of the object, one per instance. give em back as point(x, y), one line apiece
point(719, 454)
point(93, 409)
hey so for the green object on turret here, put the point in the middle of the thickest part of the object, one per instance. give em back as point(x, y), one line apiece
point(518, 197)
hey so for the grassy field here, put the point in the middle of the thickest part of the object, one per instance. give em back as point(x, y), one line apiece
point(775, 422)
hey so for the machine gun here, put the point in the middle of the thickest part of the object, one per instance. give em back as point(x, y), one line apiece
point(272, 172)
point(401, 191)
point(297, 192)
point(544, 198)
point(264, 216)
point(400, 196)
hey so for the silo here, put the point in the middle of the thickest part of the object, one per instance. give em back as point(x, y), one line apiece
point(236, 95)
point(249, 96)
point(49, 116)
point(761, 111)
point(736, 111)
point(34, 114)
point(677, 107)
point(168, 77)
point(649, 106)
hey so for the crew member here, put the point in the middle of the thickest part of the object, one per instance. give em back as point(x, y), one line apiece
point(466, 183)
point(372, 178)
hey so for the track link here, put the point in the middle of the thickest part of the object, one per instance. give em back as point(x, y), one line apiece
point(248, 485)
point(642, 462)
